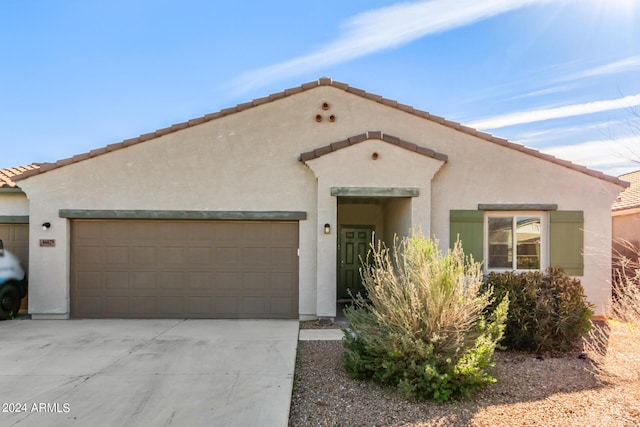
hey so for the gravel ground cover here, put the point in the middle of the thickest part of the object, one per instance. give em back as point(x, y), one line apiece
point(532, 390)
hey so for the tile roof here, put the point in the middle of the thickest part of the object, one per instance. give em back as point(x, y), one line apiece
point(7, 175)
point(352, 140)
point(323, 81)
point(630, 197)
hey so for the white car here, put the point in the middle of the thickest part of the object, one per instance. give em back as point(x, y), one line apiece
point(13, 284)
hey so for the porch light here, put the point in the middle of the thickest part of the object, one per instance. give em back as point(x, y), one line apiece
point(327, 229)
point(46, 226)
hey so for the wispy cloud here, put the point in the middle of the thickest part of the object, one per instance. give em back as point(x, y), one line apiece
point(532, 116)
point(612, 156)
point(631, 63)
point(557, 78)
point(381, 29)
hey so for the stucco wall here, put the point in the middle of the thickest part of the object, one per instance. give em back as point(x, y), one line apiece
point(249, 161)
point(13, 204)
point(626, 234)
point(626, 227)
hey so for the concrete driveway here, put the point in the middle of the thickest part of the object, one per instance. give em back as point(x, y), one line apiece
point(146, 372)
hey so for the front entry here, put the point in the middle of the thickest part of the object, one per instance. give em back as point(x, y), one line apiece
point(353, 247)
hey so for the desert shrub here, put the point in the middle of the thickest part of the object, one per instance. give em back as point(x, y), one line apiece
point(613, 344)
point(548, 310)
point(424, 328)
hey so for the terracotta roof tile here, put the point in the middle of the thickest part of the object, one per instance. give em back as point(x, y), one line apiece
point(326, 81)
point(630, 197)
point(356, 139)
point(8, 175)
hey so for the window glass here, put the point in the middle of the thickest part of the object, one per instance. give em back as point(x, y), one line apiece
point(528, 243)
point(500, 243)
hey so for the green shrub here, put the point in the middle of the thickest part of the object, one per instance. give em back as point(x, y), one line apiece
point(547, 311)
point(423, 329)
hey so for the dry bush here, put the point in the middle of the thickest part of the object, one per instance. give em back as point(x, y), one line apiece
point(423, 329)
point(614, 346)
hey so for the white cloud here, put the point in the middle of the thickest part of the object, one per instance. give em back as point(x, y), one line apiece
point(623, 65)
point(381, 29)
point(605, 155)
point(532, 116)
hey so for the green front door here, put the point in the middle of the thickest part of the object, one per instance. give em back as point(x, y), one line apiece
point(352, 247)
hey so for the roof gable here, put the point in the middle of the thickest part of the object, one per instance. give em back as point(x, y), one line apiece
point(324, 81)
point(339, 145)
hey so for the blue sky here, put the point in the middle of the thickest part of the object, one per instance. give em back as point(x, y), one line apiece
point(561, 76)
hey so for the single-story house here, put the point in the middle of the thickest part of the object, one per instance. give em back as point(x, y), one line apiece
point(625, 216)
point(261, 210)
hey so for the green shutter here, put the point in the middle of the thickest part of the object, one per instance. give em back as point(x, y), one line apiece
point(468, 225)
point(567, 241)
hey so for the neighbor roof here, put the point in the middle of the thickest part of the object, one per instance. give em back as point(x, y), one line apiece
point(630, 197)
point(7, 175)
point(324, 81)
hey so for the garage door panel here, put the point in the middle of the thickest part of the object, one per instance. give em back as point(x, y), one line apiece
point(200, 305)
point(255, 307)
point(171, 280)
point(86, 231)
point(228, 256)
point(144, 255)
point(282, 281)
point(171, 255)
point(199, 256)
point(227, 306)
point(199, 280)
point(172, 305)
point(281, 306)
point(255, 257)
point(255, 281)
point(91, 304)
point(144, 279)
point(90, 255)
point(134, 268)
point(116, 280)
point(113, 306)
point(89, 280)
point(117, 255)
point(228, 280)
point(282, 256)
point(145, 305)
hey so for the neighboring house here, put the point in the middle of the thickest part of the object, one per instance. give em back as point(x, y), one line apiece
point(261, 210)
point(625, 214)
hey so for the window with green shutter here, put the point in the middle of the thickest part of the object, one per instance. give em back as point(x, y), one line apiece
point(516, 240)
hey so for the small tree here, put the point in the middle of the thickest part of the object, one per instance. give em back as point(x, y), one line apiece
point(423, 329)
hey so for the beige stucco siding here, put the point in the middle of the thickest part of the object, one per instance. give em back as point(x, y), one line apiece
point(13, 204)
point(248, 161)
point(489, 173)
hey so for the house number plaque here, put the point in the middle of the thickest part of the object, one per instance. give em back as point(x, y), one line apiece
point(47, 243)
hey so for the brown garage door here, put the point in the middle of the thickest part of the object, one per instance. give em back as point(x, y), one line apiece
point(184, 269)
point(16, 239)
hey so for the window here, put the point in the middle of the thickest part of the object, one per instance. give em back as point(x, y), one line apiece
point(515, 241)
point(561, 237)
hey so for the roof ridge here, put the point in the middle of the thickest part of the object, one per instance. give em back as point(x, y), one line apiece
point(322, 81)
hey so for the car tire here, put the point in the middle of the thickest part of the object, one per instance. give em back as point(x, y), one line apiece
point(9, 301)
